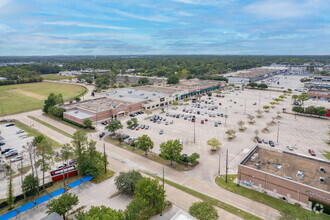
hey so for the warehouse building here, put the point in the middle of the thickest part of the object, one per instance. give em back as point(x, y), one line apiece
point(288, 176)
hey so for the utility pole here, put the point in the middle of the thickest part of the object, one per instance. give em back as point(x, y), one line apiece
point(226, 165)
point(105, 159)
point(226, 118)
point(278, 130)
point(194, 131)
point(163, 177)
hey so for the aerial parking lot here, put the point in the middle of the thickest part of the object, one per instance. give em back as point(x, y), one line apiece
point(292, 134)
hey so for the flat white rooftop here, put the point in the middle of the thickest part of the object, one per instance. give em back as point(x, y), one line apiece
point(79, 114)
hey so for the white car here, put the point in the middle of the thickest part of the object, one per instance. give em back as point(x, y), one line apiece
point(18, 158)
point(20, 132)
point(289, 147)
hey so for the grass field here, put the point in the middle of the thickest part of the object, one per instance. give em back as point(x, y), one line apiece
point(30, 96)
point(54, 77)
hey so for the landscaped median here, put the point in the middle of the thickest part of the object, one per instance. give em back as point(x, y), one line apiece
point(151, 155)
point(51, 126)
point(283, 207)
point(236, 211)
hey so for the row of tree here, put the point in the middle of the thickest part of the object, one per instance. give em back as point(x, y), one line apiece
point(256, 85)
point(311, 110)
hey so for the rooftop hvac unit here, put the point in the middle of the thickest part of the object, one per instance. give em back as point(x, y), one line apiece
point(254, 157)
point(146, 97)
point(322, 169)
point(322, 180)
point(76, 111)
point(153, 93)
point(300, 175)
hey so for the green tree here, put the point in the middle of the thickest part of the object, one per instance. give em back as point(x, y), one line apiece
point(171, 150)
point(298, 109)
point(10, 190)
point(143, 81)
point(203, 211)
point(120, 139)
point(148, 112)
point(310, 110)
point(262, 86)
point(321, 111)
point(52, 100)
point(79, 142)
point(294, 97)
point(92, 161)
point(126, 80)
point(144, 143)
point(193, 158)
point(303, 97)
point(173, 79)
point(126, 182)
point(113, 126)
point(152, 192)
point(266, 107)
point(100, 213)
point(63, 204)
point(66, 153)
point(44, 152)
point(30, 185)
point(138, 209)
point(88, 123)
point(252, 84)
point(77, 99)
point(217, 91)
point(214, 143)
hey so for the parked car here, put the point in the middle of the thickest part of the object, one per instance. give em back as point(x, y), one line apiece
point(215, 124)
point(143, 126)
point(103, 123)
point(20, 131)
point(289, 147)
point(202, 121)
point(101, 135)
point(161, 132)
point(271, 143)
point(6, 150)
point(11, 153)
point(166, 123)
point(137, 128)
point(147, 127)
point(265, 141)
point(2, 143)
point(185, 158)
point(133, 128)
point(9, 125)
point(171, 122)
point(259, 140)
point(219, 122)
point(181, 142)
point(311, 152)
point(206, 119)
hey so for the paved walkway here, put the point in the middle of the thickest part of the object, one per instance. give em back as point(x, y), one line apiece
point(119, 157)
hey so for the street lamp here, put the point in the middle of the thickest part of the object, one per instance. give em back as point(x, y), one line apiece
point(278, 130)
point(194, 131)
point(226, 118)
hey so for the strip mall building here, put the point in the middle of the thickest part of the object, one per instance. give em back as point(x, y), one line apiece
point(121, 102)
point(285, 175)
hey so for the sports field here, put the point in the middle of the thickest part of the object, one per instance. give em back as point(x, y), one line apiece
point(26, 97)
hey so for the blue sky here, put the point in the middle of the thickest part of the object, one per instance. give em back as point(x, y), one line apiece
point(111, 27)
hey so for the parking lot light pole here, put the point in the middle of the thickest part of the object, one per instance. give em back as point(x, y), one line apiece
point(226, 118)
point(219, 164)
point(278, 130)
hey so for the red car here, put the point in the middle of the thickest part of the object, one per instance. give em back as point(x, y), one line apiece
point(206, 119)
point(192, 120)
point(137, 128)
point(219, 103)
point(311, 152)
point(202, 121)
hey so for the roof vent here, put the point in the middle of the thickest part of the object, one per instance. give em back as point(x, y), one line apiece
point(76, 111)
point(322, 169)
point(300, 175)
point(254, 157)
point(322, 180)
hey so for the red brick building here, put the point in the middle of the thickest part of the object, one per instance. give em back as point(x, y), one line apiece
point(285, 175)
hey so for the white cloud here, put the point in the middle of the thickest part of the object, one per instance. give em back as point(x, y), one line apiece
point(281, 9)
point(158, 18)
point(114, 35)
point(80, 24)
point(5, 28)
point(198, 2)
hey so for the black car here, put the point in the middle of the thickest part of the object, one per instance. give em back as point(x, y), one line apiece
point(2, 143)
point(9, 125)
point(5, 150)
point(259, 140)
point(271, 143)
point(101, 135)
